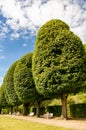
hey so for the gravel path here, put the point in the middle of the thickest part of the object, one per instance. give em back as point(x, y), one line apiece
point(73, 124)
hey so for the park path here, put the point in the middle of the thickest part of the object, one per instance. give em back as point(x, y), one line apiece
point(72, 124)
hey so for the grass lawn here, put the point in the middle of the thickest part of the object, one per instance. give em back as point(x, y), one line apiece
point(7, 123)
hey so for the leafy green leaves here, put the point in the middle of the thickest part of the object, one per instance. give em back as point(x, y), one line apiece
point(58, 60)
point(23, 80)
point(8, 83)
point(3, 102)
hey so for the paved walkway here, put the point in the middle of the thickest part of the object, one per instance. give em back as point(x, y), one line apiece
point(72, 124)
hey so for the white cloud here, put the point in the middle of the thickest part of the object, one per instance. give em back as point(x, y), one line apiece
point(24, 44)
point(13, 24)
point(3, 30)
point(30, 14)
point(15, 35)
point(11, 9)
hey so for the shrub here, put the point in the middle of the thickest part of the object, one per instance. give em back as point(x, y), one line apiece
point(77, 110)
point(56, 110)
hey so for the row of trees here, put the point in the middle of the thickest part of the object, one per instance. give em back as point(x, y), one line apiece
point(18, 86)
point(55, 69)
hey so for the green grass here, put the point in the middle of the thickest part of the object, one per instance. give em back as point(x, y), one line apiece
point(7, 123)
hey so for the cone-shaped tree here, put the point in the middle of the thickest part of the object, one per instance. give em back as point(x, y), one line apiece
point(8, 83)
point(3, 102)
point(58, 61)
point(10, 94)
point(24, 83)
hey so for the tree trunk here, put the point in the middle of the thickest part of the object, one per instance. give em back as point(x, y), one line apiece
point(38, 109)
point(16, 108)
point(11, 110)
point(64, 106)
point(25, 109)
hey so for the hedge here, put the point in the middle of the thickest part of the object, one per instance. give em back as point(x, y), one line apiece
point(56, 110)
point(77, 110)
point(42, 110)
point(74, 110)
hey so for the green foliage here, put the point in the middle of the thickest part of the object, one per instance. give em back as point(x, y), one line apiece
point(78, 110)
point(8, 83)
point(23, 80)
point(42, 110)
point(49, 31)
point(74, 110)
point(77, 99)
point(56, 110)
point(53, 102)
point(5, 111)
point(3, 102)
point(58, 60)
point(84, 45)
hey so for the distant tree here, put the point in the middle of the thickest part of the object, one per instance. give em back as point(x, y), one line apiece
point(9, 103)
point(24, 83)
point(58, 62)
point(8, 82)
point(3, 102)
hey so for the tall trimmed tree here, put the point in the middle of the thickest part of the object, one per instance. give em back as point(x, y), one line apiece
point(8, 83)
point(3, 102)
point(24, 83)
point(58, 62)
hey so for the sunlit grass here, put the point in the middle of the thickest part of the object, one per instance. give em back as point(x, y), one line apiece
point(7, 123)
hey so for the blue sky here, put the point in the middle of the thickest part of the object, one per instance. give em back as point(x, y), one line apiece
point(20, 20)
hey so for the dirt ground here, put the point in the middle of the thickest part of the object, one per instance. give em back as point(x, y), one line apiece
point(79, 124)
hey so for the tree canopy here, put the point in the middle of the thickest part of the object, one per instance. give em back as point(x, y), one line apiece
point(23, 79)
point(8, 83)
point(58, 60)
point(3, 102)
